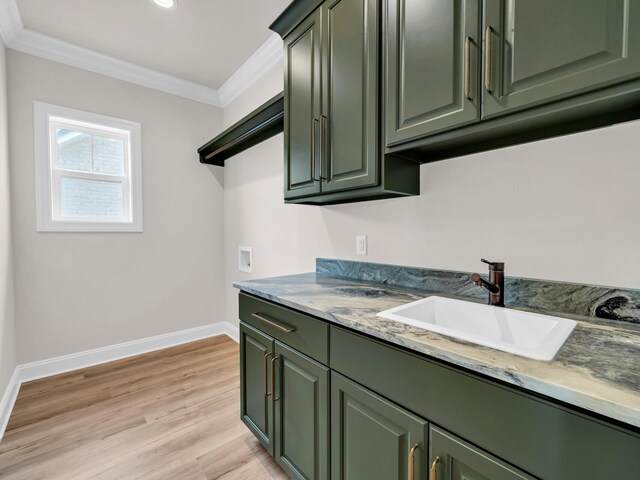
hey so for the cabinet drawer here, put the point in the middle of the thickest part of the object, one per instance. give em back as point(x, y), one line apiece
point(301, 332)
point(540, 437)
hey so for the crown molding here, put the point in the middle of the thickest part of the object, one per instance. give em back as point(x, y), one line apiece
point(50, 48)
point(16, 37)
point(10, 21)
point(268, 55)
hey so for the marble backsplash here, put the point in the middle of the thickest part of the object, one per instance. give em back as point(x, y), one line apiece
point(610, 303)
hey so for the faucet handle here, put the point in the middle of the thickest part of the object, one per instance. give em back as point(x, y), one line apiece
point(493, 265)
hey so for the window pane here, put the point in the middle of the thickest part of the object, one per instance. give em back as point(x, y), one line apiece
point(108, 155)
point(91, 198)
point(74, 150)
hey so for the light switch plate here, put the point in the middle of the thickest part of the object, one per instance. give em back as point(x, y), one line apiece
point(245, 259)
point(361, 244)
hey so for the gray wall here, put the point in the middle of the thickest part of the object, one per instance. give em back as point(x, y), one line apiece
point(7, 322)
point(560, 209)
point(78, 291)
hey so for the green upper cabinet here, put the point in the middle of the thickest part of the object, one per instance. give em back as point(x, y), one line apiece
point(331, 106)
point(464, 76)
point(374, 87)
point(333, 150)
point(302, 108)
point(349, 121)
point(372, 438)
point(454, 459)
point(431, 70)
point(545, 50)
point(256, 408)
point(301, 402)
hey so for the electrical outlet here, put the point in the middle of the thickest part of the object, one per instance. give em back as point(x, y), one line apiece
point(361, 244)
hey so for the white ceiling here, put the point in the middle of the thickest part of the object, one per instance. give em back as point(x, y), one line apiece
point(203, 41)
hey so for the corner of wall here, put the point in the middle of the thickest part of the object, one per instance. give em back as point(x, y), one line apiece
point(8, 355)
point(270, 84)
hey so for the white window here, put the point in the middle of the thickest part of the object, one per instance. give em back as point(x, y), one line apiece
point(88, 172)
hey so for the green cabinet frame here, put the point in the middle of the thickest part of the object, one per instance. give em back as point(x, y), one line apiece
point(349, 122)
point(256, 408)
point(374, 87)
point(284, 401)
point(541, 437)
point(531, 70)
point(380, 398)
point(372, 438)
point(547, 50)
point(333, 152)
point(302, 107)
point(431, 69)
point(454, 459)
point(301, 415)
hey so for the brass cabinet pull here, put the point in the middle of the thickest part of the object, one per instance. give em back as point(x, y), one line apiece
point(267, 393)
point(487, 59)
point(467, 68)
point(434, 469)
point(273, 379)
point(314, 134)
point(323, 141)
point(266, 320)
point(412, 460)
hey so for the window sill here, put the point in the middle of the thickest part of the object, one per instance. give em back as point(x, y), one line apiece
point(89, 227)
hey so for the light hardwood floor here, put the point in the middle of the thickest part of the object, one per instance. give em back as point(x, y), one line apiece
point(171, 414)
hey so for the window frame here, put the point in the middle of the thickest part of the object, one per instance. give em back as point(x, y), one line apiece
point(48, 118)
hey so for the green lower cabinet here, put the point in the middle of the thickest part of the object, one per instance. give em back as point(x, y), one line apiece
point(454, 459)
point(320, 424)
point(301, 399)
point(371, 438)
point(256, 408)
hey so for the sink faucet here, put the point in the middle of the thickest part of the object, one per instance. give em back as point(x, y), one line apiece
point(495, 285)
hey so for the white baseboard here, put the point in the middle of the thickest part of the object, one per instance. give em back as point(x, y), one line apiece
point(89, 358)
point(67, 363)
point(232, 331)
point(8, 401)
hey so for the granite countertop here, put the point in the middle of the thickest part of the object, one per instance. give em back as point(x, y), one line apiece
point(598, 369)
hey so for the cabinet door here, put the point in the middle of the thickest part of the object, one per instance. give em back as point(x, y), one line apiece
point(453, 459)
point(349, 125)
point(302, 87)
point(301, 401)
point(256, 408)
point(548, 49)
point(431, 69)
point(371, 438)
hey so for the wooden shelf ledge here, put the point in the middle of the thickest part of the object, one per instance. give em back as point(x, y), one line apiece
point(260, 125)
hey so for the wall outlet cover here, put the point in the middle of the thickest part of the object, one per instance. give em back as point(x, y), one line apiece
point(361, 244)
point(245, 259)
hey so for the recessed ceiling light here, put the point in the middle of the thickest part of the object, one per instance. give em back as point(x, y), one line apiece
point(166, 4)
